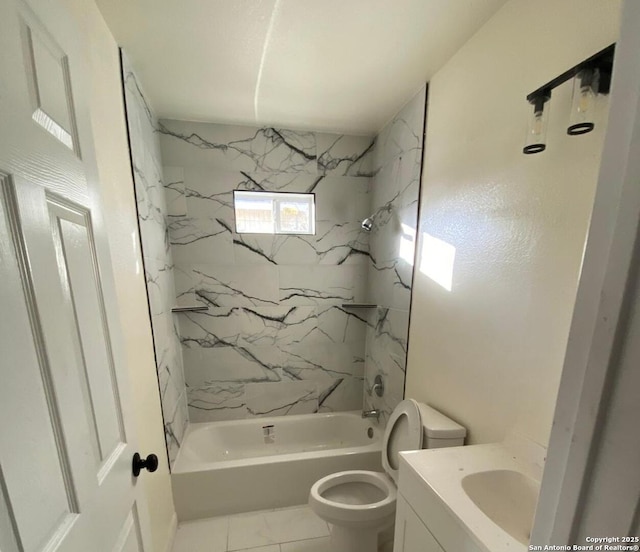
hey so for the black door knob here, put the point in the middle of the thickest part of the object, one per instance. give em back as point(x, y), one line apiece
point(150, 463)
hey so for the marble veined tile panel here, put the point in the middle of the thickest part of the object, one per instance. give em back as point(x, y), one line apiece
point(342, 243)
point(169, 353)
point(151, 212)
point(390, 285)
point(394, 188)
point(347, 395)
point(170, 393)
point(339, 325)
point(316, 363)
point(225, 365)
point(333, 244)
point(321, 361)
point(237, 401)
point(386, 355)
point(342, 199)
point(402, 282)
point(292, 397)
point(209, 182)
point(390, 333)
point(220, 285)
point(162, 334)
point(261, 326)
point(403, 133)
point(231, 327)
point(217, 403)
point(169, 361)
point(266, 149)
point(174, 191)
point(252, 249)
point(175, 427)
point(154, 289)
point(160, 284)
point(240, 400)
point(210, 202)
point(141, 120)
point(343, 155)
point(321, 285)
point(386, 245)
point(279, 182)
point(201, 240)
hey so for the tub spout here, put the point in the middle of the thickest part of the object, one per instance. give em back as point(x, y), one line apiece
point(375, 413)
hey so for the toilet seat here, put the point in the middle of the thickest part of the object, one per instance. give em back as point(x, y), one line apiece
point(404, 432)
point(326, 500)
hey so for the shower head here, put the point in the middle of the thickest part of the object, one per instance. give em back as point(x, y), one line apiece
point(367, 224)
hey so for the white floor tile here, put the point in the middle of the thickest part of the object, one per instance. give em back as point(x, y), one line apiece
point(250, 530)
point(297, 524)
point(273, 527)
point(309, 545)
point(206, 535)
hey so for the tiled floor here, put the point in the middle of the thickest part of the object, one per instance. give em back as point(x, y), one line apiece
point(295, 529)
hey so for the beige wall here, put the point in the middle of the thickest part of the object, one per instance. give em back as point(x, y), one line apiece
point(112, 156)
point(489, 352)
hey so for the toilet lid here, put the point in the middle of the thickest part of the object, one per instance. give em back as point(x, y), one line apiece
point(404, 432)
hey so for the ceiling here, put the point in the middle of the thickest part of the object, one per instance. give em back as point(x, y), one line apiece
point(329, 65)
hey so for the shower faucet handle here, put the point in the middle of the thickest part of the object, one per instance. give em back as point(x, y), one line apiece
point(378, 386)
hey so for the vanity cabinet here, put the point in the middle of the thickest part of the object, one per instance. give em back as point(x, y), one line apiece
point(423, 522)
point(411, 535)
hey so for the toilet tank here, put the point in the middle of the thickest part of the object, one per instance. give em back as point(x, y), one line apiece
point(438, 430)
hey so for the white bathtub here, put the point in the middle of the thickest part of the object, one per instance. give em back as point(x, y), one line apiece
point(246, 465)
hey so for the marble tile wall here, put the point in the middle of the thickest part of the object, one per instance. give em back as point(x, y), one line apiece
point(158, 263)
point(275, 339)
point(394, 195)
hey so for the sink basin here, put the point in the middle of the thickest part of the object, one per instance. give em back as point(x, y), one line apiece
point(506, 497)
point(477, 498)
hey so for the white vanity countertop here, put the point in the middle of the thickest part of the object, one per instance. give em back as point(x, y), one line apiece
point(440, 472)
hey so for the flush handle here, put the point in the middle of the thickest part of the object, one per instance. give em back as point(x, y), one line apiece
point(150, 463)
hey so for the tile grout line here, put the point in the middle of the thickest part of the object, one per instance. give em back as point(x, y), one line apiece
point(279, 544)
point(305, 539)
point(302, 540)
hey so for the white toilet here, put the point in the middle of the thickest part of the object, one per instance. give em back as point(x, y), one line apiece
point(360, 504)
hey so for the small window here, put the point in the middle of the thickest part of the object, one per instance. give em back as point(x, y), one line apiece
point(274, 213)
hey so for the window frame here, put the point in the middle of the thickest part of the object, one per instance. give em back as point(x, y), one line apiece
point(310, 196)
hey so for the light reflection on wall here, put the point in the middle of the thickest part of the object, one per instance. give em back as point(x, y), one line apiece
point(437, 259)
point(407, 243)
point(134, 240)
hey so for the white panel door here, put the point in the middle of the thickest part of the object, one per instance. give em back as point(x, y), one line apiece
point(66, 437)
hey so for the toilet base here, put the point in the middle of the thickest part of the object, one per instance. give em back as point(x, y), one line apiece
point(353, 540)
